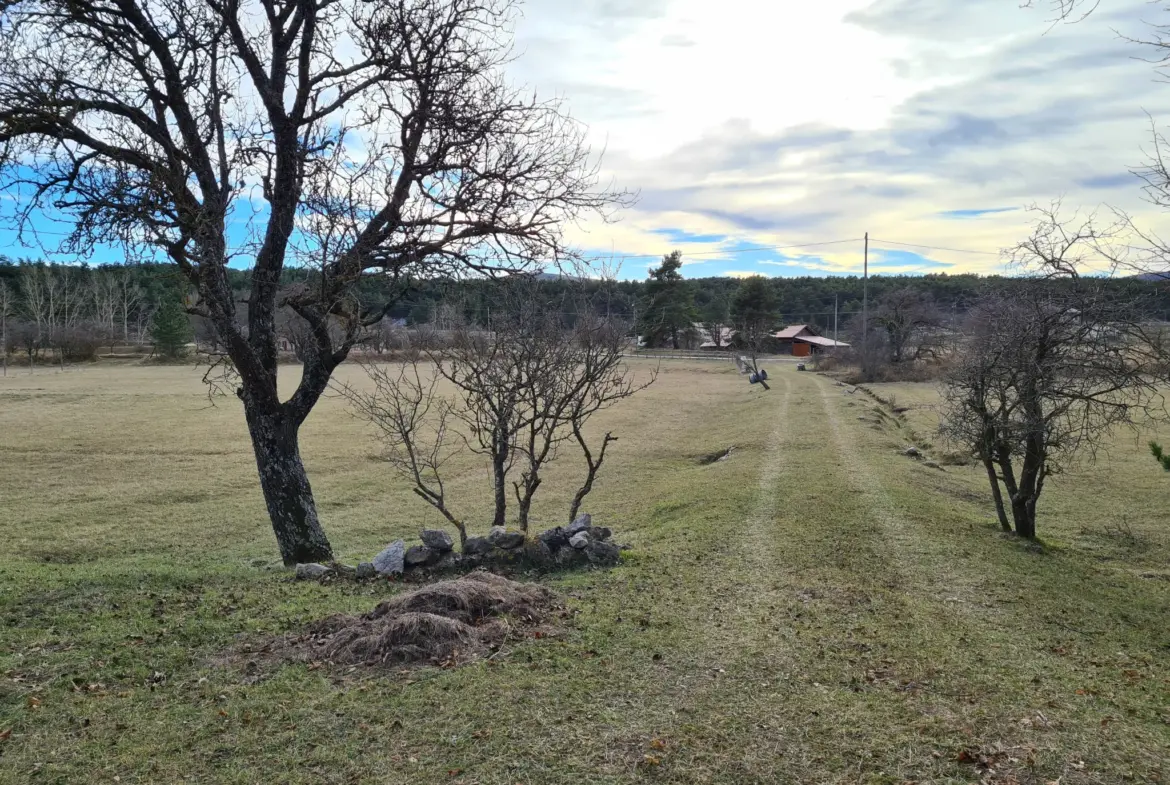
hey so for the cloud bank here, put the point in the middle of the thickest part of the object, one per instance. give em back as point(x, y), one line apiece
point(927, 122)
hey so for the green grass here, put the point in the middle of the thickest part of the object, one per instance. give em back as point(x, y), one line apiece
point(816, 609)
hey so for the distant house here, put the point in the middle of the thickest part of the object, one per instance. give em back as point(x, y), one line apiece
point(802, 340)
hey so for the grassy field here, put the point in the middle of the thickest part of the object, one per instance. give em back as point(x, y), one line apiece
point(816, 609)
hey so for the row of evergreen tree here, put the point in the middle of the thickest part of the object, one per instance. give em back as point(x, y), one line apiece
point(69, 307)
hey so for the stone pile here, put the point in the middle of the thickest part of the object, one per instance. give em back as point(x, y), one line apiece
point(577, 545)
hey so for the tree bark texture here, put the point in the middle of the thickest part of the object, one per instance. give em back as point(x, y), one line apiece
point(286, 489)
point(500, 487)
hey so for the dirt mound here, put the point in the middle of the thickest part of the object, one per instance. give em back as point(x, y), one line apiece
point(471, 599)
point(456, 619)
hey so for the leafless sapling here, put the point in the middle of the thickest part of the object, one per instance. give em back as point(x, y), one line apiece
point(754, 314)
point(414, 421)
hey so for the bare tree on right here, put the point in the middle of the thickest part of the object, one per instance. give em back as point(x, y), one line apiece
point(1046, 372)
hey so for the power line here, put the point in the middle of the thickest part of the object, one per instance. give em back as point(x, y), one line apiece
point(934, 247)
point(52, 233)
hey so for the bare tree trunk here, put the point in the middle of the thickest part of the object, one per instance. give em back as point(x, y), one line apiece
point(499, 475)
point(1004, 523)
point(525, 500)
point(1024, 499)
point(33, 287)
point(1024, 515)
point(593, 465)
point(286, 488)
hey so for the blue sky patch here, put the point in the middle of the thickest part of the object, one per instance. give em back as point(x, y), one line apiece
point(903, 262)
point(960, 214)
point(1108, 182)
point(682, 236)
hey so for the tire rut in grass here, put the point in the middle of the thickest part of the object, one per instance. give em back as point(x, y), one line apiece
point(776, 702)
point(912, 554)
point(817, 669)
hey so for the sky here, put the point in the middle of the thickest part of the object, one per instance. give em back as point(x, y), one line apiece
point(769, 137)
point(923, 122)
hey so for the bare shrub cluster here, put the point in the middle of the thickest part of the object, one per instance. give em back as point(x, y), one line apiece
point(517, 396)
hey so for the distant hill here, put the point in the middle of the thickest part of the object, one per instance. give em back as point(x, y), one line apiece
point(1154, 276)
point(547, 276)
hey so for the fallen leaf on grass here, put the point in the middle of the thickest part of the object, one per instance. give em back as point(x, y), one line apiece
point(32, 703)
point(651, 760)
point(4, 734)
point(657, 744)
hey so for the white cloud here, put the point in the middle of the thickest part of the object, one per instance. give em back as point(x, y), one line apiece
point(773, 123)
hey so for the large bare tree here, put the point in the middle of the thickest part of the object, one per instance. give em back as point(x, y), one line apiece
point(355, 138)
point(1049, 368)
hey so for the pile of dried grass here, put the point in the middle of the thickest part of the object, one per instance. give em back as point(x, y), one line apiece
point(437, 623)
point(470, 599)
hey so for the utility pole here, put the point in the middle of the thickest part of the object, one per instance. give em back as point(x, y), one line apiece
point(865, 298)
point(954, 326)
point(834, 320)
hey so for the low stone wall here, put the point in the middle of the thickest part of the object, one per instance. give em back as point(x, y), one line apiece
point(579, 544)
